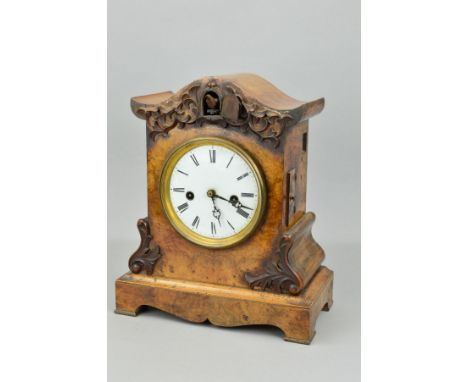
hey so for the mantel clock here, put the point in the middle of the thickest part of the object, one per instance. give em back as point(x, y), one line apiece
point(227, 238)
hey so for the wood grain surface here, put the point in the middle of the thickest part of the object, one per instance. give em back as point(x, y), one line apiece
point(265, 279)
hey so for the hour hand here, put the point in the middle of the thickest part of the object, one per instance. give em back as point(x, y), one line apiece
point(217, 214)
point(216, 211)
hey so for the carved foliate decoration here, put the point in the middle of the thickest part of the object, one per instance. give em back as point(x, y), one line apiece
point(278, 275)
point(147, 254)
point(267, 123)
point(186, 108)
point(177, 111)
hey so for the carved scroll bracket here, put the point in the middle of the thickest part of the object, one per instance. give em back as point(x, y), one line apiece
point(295, 262)
point(146, 255)
point(278, 275)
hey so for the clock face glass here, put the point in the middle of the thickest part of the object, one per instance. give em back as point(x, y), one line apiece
point(212, 192)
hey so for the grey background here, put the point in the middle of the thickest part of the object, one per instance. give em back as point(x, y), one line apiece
point(308, 49)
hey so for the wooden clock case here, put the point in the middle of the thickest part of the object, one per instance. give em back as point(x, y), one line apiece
point(274, 277)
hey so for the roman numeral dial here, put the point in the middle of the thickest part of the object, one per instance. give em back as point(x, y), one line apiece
point(212, 192)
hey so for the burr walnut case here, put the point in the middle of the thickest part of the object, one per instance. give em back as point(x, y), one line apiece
point(227, 237)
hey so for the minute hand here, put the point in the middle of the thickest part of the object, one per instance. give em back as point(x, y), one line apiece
point(234, 203)
point(240, 205)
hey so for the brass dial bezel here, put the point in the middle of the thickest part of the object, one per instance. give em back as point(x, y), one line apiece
point(175, 220)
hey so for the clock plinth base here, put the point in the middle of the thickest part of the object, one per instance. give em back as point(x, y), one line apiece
point(229, 306)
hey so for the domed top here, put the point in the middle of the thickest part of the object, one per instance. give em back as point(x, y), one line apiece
point(251, 85)
point(235, 100)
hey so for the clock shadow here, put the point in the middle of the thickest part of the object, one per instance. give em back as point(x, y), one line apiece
point(254, 329)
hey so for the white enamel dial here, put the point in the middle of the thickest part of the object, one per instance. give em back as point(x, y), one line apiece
point(214, 192)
